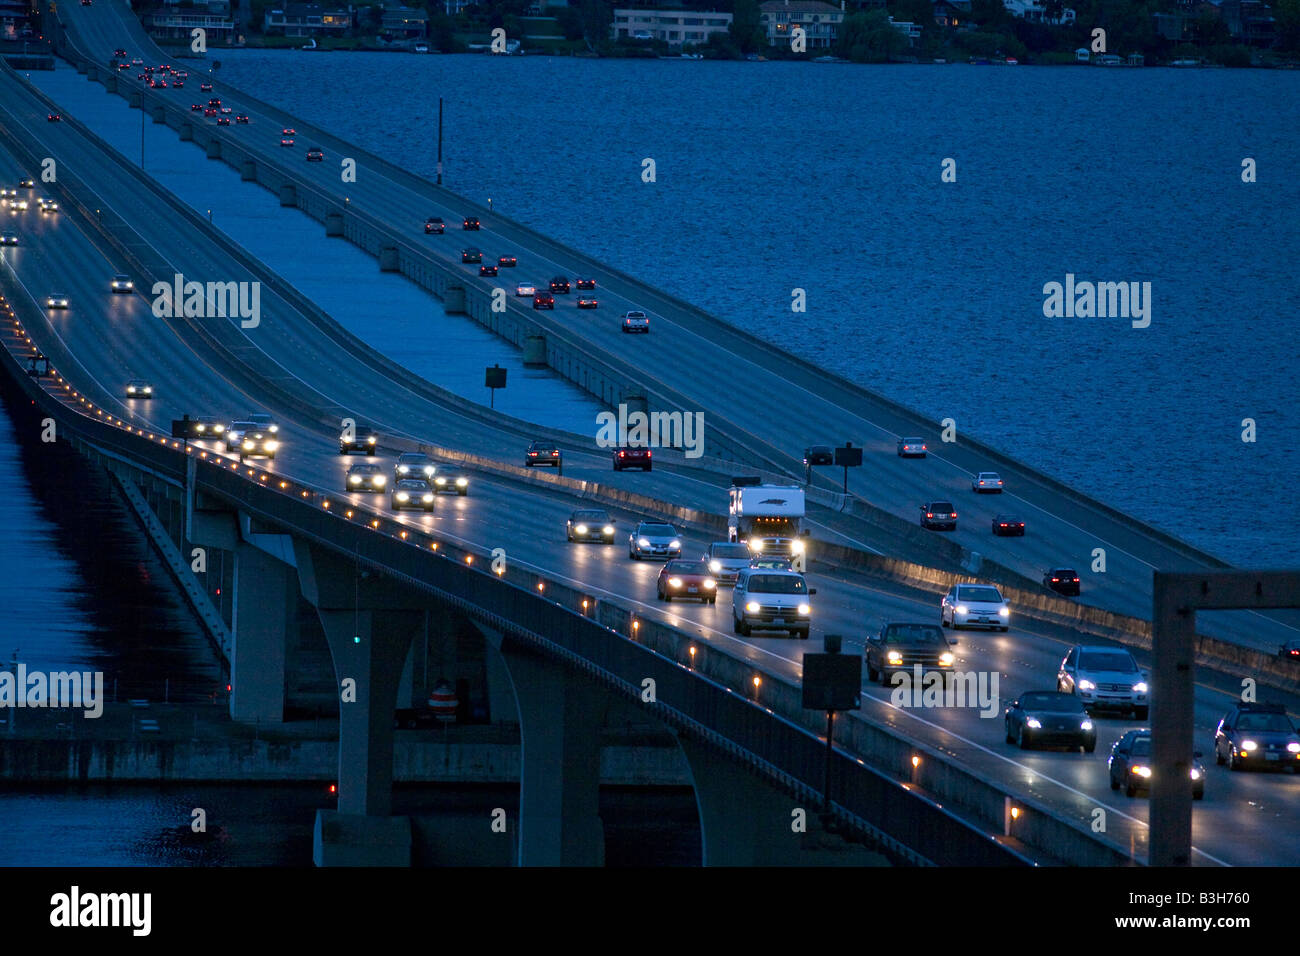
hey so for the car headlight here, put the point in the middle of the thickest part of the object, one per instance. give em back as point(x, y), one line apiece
point(440, 482)
point(675, 582)
point(1140, 687)
point(1004, 612)
point(248, 445)
point(1087, 685)
point(1085, 725)
point(427, 497)
point(403, 469)
point(1034, 723)
point(643, 542)
point(894, 657)
point(272, 445)
point(1196, 774)
point(962, 609)
point(756, 545)
point(380, 481)
point(273, 429)
point(1249, 746)
point(581, 529)
point(947, 657)
point(608, 529)
point(1142, 771)
point(805, 609)
point(354, 479)
point(148, 391)
point(796, 547)
point(370, 441)
point(710, 583)
point(429, 470)
point(403, 496)
point(752, 607)
point(462, 482)
point(715, 566)
point(1293, 748)
point(674, 544)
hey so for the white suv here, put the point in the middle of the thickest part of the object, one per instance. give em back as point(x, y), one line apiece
point(974, 605)
point(771, 600)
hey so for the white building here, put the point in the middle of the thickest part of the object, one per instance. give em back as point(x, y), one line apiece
point(675, 27)
point(1033, 11)
point(820, 21)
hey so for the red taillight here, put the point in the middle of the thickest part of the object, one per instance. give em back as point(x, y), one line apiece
point(929, 515)
point(954, 514)
point(1056, 580)
point(622, 454)
point(647, 452)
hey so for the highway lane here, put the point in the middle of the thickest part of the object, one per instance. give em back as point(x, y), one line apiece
point(530, 526)
point(1060, 533)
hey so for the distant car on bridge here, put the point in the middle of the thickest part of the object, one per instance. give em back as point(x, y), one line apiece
point(1291, 649)
point(315, 155)
point(939, 516)
point(654, 539)
point(635, 322)
point(487, 269)
point(286, 142)
point(560, 284)
point(240, 118)
point(203, 87)
point(412, 493)
point(986, 482)
point(588, 302)
point(434, 226)
point(122, 283)
point(288, 131)
point(451, 479)
point(541, 453)
point(209, 111)
point(56, 300)
point(818, 455)
point(525, 288)
point(1062, 580)
point(1008, 526)
point(686, 579)
point(471, 255)
point(251, 440)
point(119, 53)
point(47, 205)
point(728, 558)
point(364, 439)
point(1105, 678)
point(207, 427)
point(53, 117)
point(507, 262)
point(139, 388)
point(1132, 767)
point(586, 285)
point(1046, 718)
point(471, 222)
point(629, 456)
point(1257, 736)
point(974, 605)
point(543, 300)
point(8, 239)
point(365, 478)
point(196, 107)
point(27, 183)
point(911, 448)
point(413, 464)
point(223, 120)
point(903, 645)
point(590, 525)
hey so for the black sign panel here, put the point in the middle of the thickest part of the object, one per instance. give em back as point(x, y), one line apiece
point(496, 377)
point(848, 456)
point(184, 427)
point(745, 481)
point(832, 681)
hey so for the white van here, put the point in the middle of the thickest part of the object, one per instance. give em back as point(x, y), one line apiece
point(771, 600)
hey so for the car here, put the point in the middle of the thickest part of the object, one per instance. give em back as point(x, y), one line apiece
point(139, 388)
point(560, 284)
point(27, 183)
point(635, 322)
point(911, 448)
point(471, 256)
point(288, 131)
point(434, 226)
point(974, 605)
point(629, 456)
point(263, 421)
point(209, 111)
point(939, 516)
point(122, 283)
point(286, 142)
point(365, 477)
point(53, 117)
point(240, 118)
point(525, 288)
point(119, 53)
point(251, 440)
point(543, 300)
point(818, 455)
point(507, 262)
point(1131, 765)
point(683, 579)
point(586, 285)
point(771, 600)
point(47, 205)
point(654, 539)
point(203, 87)
point(1062, 580)
point(56, 300)
point(223, 120)
point(726, 559)
point(771, 562)
point(8, 239)
point(588, 302)
point(1105, 678)
point(1008, 526)
point(363, 439)
point(903, 645)
point(1255, 736)
point(471, 222)
point(315, 155)
point(487, 269)
point(207, 427)
point(180, 85)
point(412, 493)
point(195, 107)
point(18, 205)
point(1046, 718)
point(8, 192)
point(1290, 650)
point(215, 102)
point(541, 453)
point(986, 482)
point(590, 526)
point(226, 111)
point(451, 480)
point(413, 464)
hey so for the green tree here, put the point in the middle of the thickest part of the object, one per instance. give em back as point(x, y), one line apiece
point(869, 38)
point(747, 27)
point(569, 20)
point(1287, 13)
point(596, 17)
point(1210, 30)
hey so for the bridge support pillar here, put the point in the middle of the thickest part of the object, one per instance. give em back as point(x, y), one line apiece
point(288, 194)
point(158, 114)
point(535, 350)
point(248, 171)
point(388, 259)
point(133, 98)
point(187, 132)
point(264, 599)
point(560, 720)
point(213, 148)
point(110, 83)
point(334, 224)
point(453, 300)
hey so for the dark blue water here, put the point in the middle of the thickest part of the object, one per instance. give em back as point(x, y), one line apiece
point(772, 176)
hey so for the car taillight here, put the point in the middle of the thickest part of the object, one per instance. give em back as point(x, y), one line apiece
point(929, 514)
point(647, 452)
point(1056, 580)
point(622, 454)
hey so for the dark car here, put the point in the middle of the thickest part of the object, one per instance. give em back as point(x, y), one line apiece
point(205, 87)
point(413, 464)
point(451, 479)
point(1045, 718)
point(315, 155)
point(434, 226)
point(686, 579)
point(1062, 580)
point(632, 457)
point(223, 120)
point(1006, 526)
point(416, 493)
point(507, 262)
point(543, 300)
point(1255, 737)
point(471, 256)
point(911, 448)
point(1290, 650)
point(365, 478)
point(902, 645)
point(53, 117)
point(560, 284)
point(487, 269)
point(588, 302)
point(818, 455)
point(241, 118)
point(586, 285)
point(363, 439)
point(471, 222)
point(195, 107)
point(541, 453)
point(590, 526)
point(1131, 765)
point(939, 516)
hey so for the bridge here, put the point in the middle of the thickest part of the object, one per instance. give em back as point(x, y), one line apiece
point(566, 640)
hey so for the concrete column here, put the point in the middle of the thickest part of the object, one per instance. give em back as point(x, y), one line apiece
point(388, 259)
point(1173, 642)
point(214, 148)
point(334, 224)
point(248, 171)
point(288, 194)
point(264, 597)
point(560, 719)
point(453, 300)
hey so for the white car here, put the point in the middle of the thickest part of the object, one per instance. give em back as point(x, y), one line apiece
point(986, 482)
point(635, 322)
point(1105, 678)
point(974, 605)
point(525, 288)
point(771, 600)
point(56, 300)
point(122, 283)
point(47, 205)
point(139, 388)
point(654, 539)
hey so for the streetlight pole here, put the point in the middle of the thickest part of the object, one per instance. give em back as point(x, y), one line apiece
point(440, 141)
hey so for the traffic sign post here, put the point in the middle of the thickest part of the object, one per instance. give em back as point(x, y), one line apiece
point(831, 681)
point(848, 457)
point(495, 378)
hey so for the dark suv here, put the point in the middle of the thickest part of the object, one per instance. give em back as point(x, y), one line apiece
point(363, 439)
point(939, 516)
point(1257, 736)
point(1062, 580)
point(560, 284)
point(903, 645)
